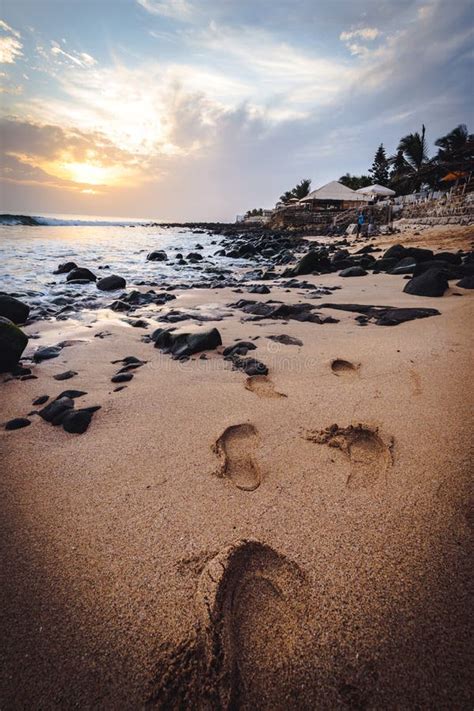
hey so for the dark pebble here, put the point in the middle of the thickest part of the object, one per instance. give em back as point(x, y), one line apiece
point(17, 423)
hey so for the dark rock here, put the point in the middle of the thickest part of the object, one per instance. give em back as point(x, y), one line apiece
point(41, 400)
point(138, 323)
point(109, 283)
point(56, 409)
point(122, 377)
point(466, 282)
point(448, 257)
point(120, 306)
point(66, 375)
point(13, 309)
point(76, 421)
point(311, 262)
point(383, 315)
point(286, 340)
point(65, 268)
point(353, 272)
point(46, 353)
point(20, 370)
point(452, 270)
point(159, 255)
point(12, 344)
point(181, 345)
point(385, 264)
point(70, 394)
point(17, 423)
point(194, 257)
point(259, 289)
point(278, 310)
point(128, 359)
point(430, 283)
point(239, 348)
point(81, 274)
point(407, 265)
point(250, 366)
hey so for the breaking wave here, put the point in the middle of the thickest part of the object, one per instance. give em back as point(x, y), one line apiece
point(38, 220)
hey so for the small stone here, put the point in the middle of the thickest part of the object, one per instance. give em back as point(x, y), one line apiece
point(17, 424)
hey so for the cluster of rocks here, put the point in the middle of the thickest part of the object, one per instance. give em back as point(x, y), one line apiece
point(81, 275)
point(278, 310)
point(60, 411)
point(136, 299)
point(182, 345)
point(125, 374)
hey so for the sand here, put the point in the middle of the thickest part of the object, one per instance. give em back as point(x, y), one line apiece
point(210, 543)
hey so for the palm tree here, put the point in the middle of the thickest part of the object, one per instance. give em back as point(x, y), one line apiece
point(413, 149)
point(453, 143)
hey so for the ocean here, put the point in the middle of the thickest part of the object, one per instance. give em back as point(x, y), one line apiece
point(29, 254)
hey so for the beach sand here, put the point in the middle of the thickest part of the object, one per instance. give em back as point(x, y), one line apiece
point(162, 558)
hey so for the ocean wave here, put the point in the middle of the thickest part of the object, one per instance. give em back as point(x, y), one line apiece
point(38, 220)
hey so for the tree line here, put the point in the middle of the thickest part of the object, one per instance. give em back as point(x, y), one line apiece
point(411, 166)
point(408, 169)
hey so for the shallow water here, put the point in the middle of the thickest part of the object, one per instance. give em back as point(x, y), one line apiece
point(29, 255)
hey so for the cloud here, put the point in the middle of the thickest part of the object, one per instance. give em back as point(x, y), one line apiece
point(232, 114)
point(10, 30)
point(80, 59)
point(10, 45)
point(365, 33)
point(72, 159)
point(175, 9)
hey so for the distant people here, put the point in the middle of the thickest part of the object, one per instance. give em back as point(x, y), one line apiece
point(360, 222)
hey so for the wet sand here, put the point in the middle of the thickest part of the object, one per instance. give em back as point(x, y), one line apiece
point(162, 558)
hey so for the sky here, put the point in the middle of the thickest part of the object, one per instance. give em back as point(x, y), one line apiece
point(201, 109)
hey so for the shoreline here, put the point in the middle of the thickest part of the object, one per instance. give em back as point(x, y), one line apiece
point(355, 594)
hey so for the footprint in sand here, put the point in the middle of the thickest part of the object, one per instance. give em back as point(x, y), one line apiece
point(236, 446)
point(262, 386)
point(344, 368)
point(252, 603)
point(369, 452)
point(246, 648)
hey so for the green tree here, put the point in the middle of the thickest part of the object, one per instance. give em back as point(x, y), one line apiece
point(453, 143)
point(412, 171)
point(354, 182)
point(300, 191)
point(380, 167)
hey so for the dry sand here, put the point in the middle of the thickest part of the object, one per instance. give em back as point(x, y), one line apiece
point(164, 559)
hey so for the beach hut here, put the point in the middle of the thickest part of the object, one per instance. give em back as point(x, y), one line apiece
point(376, 191)
point(334, 196)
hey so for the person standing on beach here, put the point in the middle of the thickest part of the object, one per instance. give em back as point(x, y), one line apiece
point(360, 222)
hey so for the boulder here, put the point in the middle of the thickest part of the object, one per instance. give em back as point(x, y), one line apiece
point(406, 265)
point(81, 274)
point(311, 262)
point(13, 309)
point(182, 345)
point(109, 283)
point(159, 255)
point(12, 344)
point(430, 283)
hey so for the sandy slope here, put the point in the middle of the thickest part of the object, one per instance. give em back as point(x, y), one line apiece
point(356, 592)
